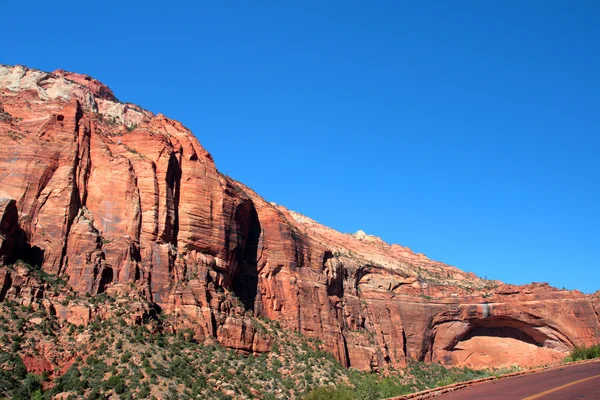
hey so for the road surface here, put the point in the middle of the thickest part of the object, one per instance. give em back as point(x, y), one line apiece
point(581, 381)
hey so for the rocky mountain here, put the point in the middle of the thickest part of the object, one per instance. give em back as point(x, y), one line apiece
point(119, 201)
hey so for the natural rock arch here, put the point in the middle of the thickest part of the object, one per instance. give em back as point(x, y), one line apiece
point(497, 341)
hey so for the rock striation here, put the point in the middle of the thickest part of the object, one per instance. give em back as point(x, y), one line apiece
point(116, 199)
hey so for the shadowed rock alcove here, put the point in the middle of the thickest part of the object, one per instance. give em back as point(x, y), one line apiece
point(497, 342)
point(245, 276)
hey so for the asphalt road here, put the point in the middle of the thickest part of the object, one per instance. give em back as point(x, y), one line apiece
point(580, 381)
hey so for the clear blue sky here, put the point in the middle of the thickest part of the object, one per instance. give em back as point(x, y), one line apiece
point(469, 131)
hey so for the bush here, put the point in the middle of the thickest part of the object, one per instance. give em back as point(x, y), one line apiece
point(585, 353)
point(69, 381)
point(91, 360)
point(341, 392)
point(117, 383)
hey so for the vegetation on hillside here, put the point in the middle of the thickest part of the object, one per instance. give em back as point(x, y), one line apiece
point(417, 376)
point(110, 357)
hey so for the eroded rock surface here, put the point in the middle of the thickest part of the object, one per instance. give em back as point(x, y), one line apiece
point(114, 198)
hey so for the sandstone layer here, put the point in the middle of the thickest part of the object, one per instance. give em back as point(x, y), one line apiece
point(116, 199)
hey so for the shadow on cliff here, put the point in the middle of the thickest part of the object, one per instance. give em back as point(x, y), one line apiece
point(245, 277)
point(15, 243)
point(32, 255)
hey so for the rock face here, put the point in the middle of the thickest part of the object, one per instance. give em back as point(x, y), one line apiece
point(114, 198)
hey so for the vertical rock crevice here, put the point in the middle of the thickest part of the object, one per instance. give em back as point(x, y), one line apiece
point(404, 351)
point(346, 361)
point(6, 286)
point(244, 279)
point(173, 181)
point(74, 203)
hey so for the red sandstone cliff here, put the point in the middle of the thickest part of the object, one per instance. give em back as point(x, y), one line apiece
point(118, 199)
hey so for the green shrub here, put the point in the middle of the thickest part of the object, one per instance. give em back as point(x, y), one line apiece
point(117, 383)
point(341, 392)
point(585, 353)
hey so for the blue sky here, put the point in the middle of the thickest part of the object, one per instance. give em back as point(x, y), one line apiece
point(466, 130)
